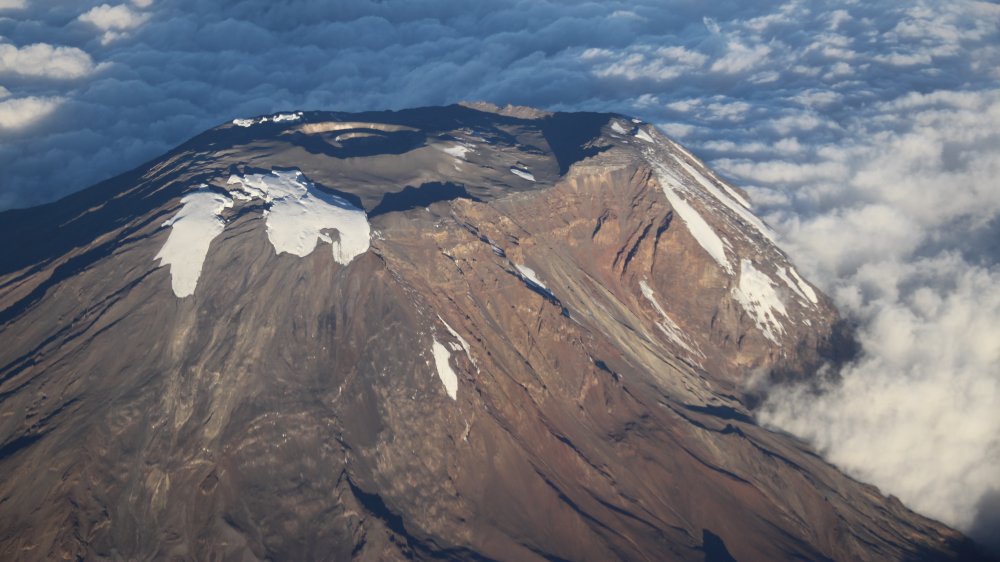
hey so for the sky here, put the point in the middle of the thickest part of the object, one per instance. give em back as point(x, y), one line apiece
point(867, 133)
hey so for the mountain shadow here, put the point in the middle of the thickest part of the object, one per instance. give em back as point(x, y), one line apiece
point(420, 196)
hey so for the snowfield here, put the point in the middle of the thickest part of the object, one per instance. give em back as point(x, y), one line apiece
point(448, 377)
point(522, 174)
point(192, 230)
point(298, 217)
point(301, 215)
point(278, 118)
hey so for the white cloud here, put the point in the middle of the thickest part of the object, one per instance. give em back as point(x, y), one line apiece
point(918, 414)
point(595, 53)
point(711, 25)
point(904, 59)
point(816, 98)
point(111, 36)
point(761, 24)
point(740, 58)
point(783, 172)
point(624, 14)
point(116, 21)
point(838, 18)
point(799, 121)
point(685, 105)
point(895, 243)
point(784, 147)
point(16, 113)
point(114, 18)
point(677, 130)
point(661, 64)
point(13, 4)
point(683, 56)
point(716, 108)
point(839, 70)
point(44, 60)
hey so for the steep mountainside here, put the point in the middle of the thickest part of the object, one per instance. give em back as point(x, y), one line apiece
point(442, 333)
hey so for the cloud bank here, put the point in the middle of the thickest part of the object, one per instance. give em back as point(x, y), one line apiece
point(45, 61)
point(867, 133)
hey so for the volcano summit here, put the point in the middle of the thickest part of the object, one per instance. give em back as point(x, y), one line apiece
point(462, 333)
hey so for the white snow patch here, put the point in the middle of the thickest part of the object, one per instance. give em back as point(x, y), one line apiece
point(667, 325)
point(444, 370)
point(286, 117)
point(696, 225)
point(797, 284)
point(529, 274)
point(617, 127)
point(636, 121)
point(732, 192)
point(803, 286)
point(278, 118)
point(732, 204)
point(522, 174)
point(462, 343)
point(684, 151)
point(531, 278)
point(641, 134)
point(757, 295)
point(783, 275)
point(192, 230)
point(300, 215)
point(458, 151)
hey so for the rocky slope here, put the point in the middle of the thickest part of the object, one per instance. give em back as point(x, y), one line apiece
point(443, 333)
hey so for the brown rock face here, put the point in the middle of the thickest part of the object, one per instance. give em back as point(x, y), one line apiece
point(538, 352)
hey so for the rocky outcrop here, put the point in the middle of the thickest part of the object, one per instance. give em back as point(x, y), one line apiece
point(540, 354)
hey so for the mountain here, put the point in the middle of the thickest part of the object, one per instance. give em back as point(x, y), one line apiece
point(464, 333)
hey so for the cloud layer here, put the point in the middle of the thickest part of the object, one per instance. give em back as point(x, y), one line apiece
point(867, 133)
point(45, 61)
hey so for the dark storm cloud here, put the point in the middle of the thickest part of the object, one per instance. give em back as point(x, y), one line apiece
point(866, 132)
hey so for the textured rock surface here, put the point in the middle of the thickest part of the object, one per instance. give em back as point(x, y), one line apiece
point(292, 408)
